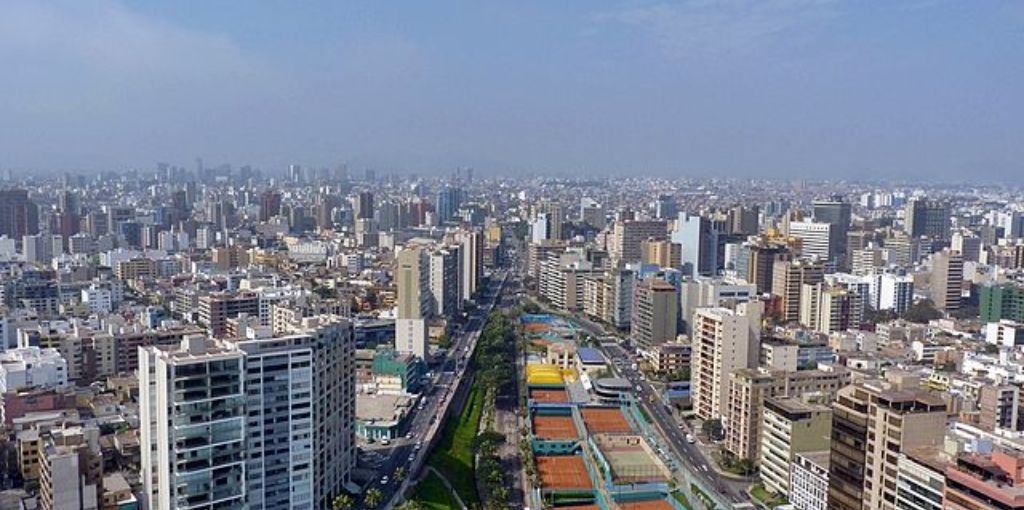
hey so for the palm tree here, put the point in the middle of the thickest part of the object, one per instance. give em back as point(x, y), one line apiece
point(409, 505)
point(373, 497)
point(342, 502)
point(400, 473)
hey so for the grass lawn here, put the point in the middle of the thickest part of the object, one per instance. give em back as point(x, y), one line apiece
point(762, 495)
point(433, 495)
point(454, 453)
point(681, 498)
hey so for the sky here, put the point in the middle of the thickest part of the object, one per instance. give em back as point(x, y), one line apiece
point(814, 89)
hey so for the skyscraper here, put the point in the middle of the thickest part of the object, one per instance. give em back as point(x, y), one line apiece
point(364, 205)
point(836, 212)
point(699, 241)
point(927, 218)
point(19, 216)
point(449, 198)
point(270, 205)
point(724, 340)
point(412, 275)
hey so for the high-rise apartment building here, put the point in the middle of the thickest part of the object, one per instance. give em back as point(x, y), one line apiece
point(790, 426)
point(829, 309)
point(444, 280)
point(756, 261)
point(724, 340)
point(748, 389)
point(947, 280)
point(789, 277)
point(627, 236)
point(364, 206)
point(655, 313)
point(300, 403)
point(704, 291)
point(259, 422)
point(661, 252)
point(192, 417)
point(872, 423)
point(412, 276)
point(216, 308)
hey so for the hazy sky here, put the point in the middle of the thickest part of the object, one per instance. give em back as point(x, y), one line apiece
point(810, 88)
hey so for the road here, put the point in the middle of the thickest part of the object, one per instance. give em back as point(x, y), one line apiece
point(448, 374)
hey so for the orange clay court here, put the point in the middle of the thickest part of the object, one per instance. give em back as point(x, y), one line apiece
point(563, 472)
point(652, 504)
point(554, 427)
point(548, 395)
point(601, 420)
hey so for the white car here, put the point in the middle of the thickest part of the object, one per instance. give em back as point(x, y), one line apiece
point(690, 439)
point(384, 480)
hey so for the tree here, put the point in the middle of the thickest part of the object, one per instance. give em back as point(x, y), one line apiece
point(400, 473)
point(409, 504)
point(373, 497)
point(342, 502)
point(922, 312)
point(713, 429)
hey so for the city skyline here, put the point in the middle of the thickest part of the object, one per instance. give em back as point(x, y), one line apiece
point(809, 89)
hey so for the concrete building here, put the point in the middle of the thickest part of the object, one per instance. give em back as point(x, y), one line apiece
point(748, 389)
point(627, 236)
point(872, 423)
point(724, 340)
point(608, 297)
point(830, 309)
point(1005, 333)
point(981, 481)
point(661, 252)
point(790, 426)
point(70, 469)
point(300, 402)
point(920, 480)
point(216, 308)
point(655, 313)
point(999, 408)
point(789, 277)
point(32, 367)
point(192, 406)
point(808, 482)
point(445, 286)
point(947, 280)
point(756, 261)
point(704, 291)
point(836, 212)
point(699, 242)
point(412, 276)
point(927, 218)
point(894, 292)
point(815, 239)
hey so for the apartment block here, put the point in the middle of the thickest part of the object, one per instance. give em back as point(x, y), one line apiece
point(790, 426)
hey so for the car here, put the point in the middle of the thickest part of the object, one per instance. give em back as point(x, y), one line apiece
point(419, 444)
point(384, 480)
point(690, 439)
point(412, 457)
point(385, 441)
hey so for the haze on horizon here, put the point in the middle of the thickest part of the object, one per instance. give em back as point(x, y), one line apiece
point(919, 89)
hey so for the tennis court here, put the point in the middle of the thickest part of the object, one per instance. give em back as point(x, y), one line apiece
point(563, 472)
point(604, 420)
point(554, 427)
point(548, 395)
point(650, 504)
